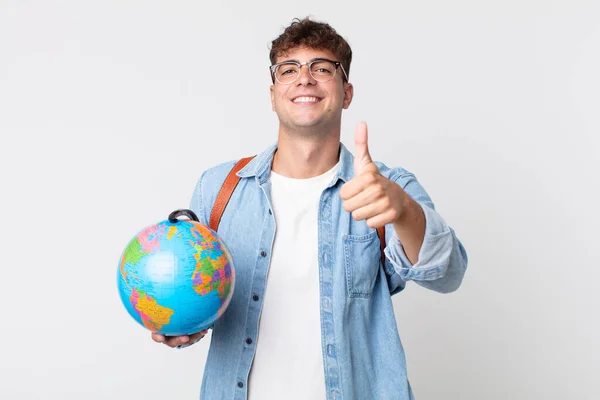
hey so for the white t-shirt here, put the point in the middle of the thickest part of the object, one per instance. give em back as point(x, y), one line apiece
point(288, 363)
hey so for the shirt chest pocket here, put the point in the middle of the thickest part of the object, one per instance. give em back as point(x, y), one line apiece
point(361, 260)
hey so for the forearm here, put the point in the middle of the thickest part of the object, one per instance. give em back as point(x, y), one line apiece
point(442, 259)
point(410, 228)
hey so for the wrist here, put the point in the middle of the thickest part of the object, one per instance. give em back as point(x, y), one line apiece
point(410, 210)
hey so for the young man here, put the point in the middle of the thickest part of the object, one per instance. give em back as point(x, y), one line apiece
point(311, 316)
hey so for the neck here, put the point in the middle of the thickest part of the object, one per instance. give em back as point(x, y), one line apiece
point(305, 156)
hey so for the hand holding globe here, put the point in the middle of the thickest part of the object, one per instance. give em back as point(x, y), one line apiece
point(179, 341)
point(176, 278)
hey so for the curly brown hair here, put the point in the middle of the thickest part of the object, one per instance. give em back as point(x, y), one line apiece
point(313, 35)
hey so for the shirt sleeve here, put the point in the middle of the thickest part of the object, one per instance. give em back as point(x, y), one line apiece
point(197, 203)
point(442, 258)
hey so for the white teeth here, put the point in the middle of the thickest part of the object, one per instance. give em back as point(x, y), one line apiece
point(306, 100)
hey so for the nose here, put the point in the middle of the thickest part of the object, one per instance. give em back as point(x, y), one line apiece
point(305, 77)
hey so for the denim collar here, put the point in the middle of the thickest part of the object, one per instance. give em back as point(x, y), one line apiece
point(260, 166)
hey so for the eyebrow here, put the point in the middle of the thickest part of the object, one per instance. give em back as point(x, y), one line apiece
point(314, 59)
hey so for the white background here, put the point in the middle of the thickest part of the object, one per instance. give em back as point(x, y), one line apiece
point(109, 112)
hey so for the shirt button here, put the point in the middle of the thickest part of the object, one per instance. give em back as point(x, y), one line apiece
point(255, 298)
point(249, 340)
point(240, 385)
point(330, 350)
point(270, 212)
point(263, 253)
point(326, 304)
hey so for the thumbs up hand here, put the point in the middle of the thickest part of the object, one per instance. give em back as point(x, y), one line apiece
point(369, 195)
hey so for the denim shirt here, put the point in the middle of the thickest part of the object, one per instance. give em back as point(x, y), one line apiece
point(363, 357)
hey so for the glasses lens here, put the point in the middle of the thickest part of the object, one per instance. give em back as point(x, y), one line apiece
point(286, 73)
point(323, 71)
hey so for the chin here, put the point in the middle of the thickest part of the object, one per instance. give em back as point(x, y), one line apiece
point(305, 124)
point(307, 121)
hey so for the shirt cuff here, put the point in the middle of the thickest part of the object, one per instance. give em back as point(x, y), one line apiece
point(434, 255)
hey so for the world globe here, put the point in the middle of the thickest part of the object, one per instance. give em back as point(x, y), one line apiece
point(176, 277)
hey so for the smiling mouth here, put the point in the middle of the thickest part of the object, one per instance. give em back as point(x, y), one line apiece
point(306, 100)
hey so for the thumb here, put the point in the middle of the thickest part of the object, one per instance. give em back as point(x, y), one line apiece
point(362, 158)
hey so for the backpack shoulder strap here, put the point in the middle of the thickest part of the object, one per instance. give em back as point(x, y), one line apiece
point(229, 186)
point(381, 235)
point(225, 193)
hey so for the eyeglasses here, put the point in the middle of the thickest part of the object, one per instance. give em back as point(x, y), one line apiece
point(321, 69)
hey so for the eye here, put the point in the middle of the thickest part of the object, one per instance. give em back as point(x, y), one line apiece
point(323, 68)
point(287, 69)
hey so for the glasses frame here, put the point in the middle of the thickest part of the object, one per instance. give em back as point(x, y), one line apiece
point(308, 64)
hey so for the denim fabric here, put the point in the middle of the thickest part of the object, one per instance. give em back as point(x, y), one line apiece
point(362, 352)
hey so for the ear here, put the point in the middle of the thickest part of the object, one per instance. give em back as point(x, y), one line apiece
point(272, 90)
point(348, 94)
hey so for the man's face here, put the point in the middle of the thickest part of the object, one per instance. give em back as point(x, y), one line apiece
point(306, 102)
